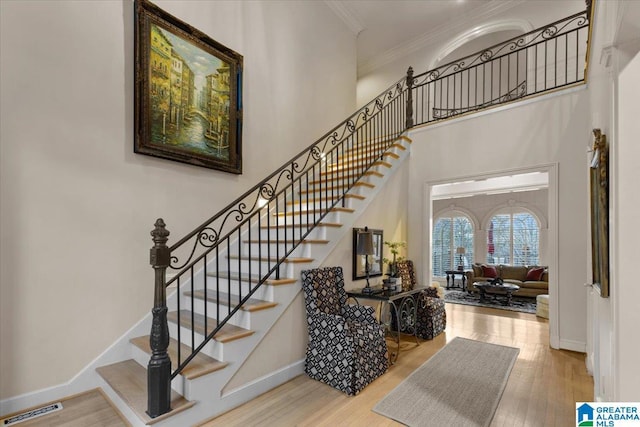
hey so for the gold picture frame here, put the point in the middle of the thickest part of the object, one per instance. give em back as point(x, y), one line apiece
point(599, 189)
point(188, 93)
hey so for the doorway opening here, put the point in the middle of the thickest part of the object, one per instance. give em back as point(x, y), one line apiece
point(505, 218)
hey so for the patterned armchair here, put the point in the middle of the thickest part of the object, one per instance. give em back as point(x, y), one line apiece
point(346, 349)
point(431, 316)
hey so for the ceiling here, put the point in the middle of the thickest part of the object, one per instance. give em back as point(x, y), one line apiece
point(387, 29)
point(496, 185)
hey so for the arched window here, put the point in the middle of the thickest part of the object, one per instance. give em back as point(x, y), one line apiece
point(514, 239)
point(449, 233)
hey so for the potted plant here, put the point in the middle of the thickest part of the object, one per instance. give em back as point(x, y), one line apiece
point(392, 264)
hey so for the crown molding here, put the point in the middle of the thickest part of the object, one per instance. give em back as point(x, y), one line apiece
point(510, 24)
point(438, 34)
point(348, 16)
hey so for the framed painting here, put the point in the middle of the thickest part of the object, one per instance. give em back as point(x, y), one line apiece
point(360, 261)
point(188, 93)
point(599, 189)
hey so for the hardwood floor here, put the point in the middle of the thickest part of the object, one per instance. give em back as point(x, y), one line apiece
point(542, 388)
point(91, 408)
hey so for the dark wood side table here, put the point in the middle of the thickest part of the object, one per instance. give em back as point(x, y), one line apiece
point(451, 274)
point(403, 303)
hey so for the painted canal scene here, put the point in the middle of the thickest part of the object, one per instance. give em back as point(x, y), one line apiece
point(189, 91)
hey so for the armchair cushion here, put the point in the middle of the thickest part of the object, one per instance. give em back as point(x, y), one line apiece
point(359, 313)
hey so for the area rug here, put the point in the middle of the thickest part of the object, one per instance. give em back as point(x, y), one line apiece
point(461, 385)
point(522, 304)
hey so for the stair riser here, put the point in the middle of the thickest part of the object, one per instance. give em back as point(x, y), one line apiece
point(213, 348)
point(291, 233)
point(325, 204)
point(307, 217)
point(314, 192)
point(265, 292)
point(255, 249)
point(235, 286)
point(244, 319)
point(203, 386)
point(240, 318)
point(142, 358)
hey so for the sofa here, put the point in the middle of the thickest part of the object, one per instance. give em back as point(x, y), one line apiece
point(533, 280)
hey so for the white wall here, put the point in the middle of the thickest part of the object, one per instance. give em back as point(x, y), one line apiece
point(626, 292)
point(77, 204)
point(613, 88)
point(550, 130)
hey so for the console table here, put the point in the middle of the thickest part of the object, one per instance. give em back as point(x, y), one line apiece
point(452, 274)
point(402, 303)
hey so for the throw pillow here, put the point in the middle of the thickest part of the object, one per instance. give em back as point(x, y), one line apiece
point(535, 273)
point(489, 271)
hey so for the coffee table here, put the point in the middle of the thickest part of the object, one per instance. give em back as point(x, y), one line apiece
point(506, 289)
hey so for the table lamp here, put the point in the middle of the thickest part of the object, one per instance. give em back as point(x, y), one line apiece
point(460, 251)
point(365, 247)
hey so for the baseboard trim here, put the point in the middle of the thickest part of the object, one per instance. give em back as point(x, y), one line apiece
point(33, 399)
point(265, 383)
point(246, 392)
point(577, 346)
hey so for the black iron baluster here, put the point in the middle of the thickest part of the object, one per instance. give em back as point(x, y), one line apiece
point(193, 313)
point(555, 58)
point(218, 284)
point(159, 367)
point(546, 55)
point(577, 50)
point(206, 305)
point(566, 58)
point(240, 257)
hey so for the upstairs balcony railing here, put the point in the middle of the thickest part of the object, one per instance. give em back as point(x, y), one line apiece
point(247, 242)
point(549, 58)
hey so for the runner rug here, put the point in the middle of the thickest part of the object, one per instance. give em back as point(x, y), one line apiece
point(460, 385)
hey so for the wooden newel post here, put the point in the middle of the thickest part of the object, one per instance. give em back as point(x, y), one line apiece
point(409, 122)
point(159, 367)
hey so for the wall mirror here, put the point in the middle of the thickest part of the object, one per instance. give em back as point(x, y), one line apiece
point(375, 260)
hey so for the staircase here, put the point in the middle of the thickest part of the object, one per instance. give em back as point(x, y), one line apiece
point(198, 391)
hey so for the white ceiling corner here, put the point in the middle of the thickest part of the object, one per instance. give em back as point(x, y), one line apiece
point(348, 16)
point(436, 35)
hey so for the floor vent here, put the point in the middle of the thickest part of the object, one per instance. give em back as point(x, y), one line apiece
point(35, 413)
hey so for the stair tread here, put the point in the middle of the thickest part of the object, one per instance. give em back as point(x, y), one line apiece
point(129, 380)
point(338, 174)
point(252, 304)
point(290, 242)
point(336, 187)
point(376, 145)
point(272, 259)
point(354, 167)
point(350, 158)
point(227, 333)
point(255, 278)
point(320, 224)
point(311, 211)
point(314, 200)
point(200, 365)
